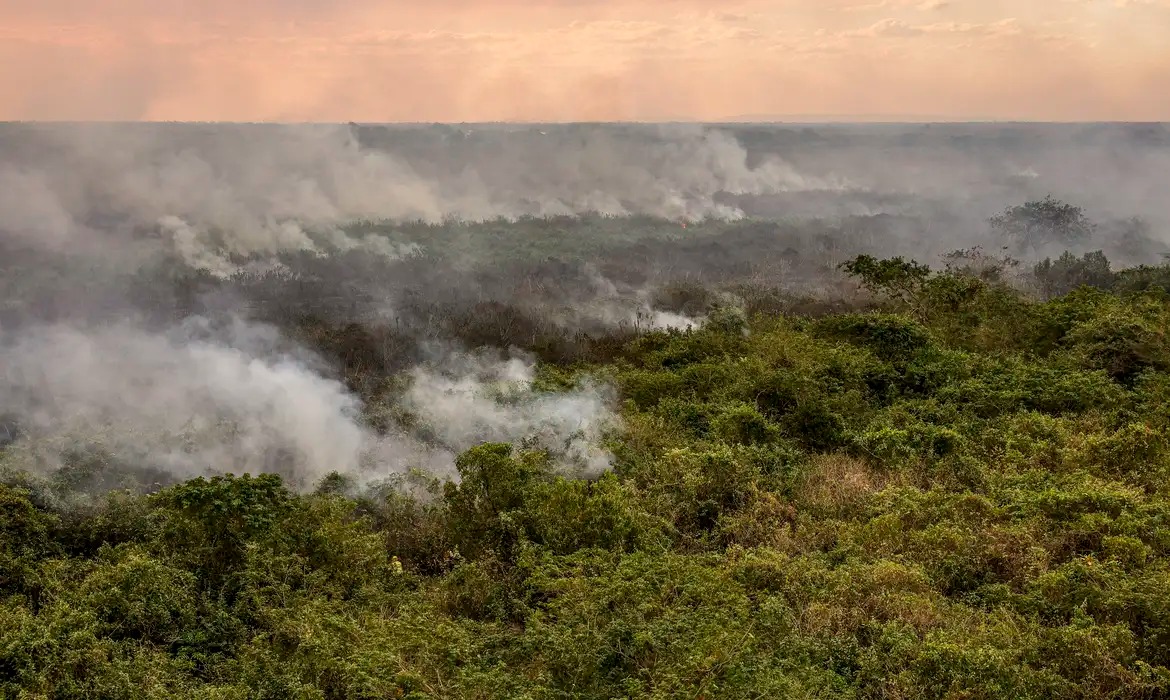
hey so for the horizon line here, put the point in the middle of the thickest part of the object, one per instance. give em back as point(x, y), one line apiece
point(795, 120)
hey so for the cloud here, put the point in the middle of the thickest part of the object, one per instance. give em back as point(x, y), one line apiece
point(459, 60)
point(1142, 3)
point(890, 27)
point(919, 5)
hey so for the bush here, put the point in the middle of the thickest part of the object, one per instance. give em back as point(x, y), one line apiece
point(26, 538)
point(1069, 272)
point(744, 425)
point(134, 596)
point(568, 516)
point(890, 337)
point(1121, 345)
point(815, 426)
point(211, 522)
point(485, 506)
point(962, 495)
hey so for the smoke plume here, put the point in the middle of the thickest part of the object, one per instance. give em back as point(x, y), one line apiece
point(198, 400)
point(426, 234)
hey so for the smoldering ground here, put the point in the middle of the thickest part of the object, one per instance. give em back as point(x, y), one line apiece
point(190, 299)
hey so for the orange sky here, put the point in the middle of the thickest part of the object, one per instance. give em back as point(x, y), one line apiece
point(568, 60)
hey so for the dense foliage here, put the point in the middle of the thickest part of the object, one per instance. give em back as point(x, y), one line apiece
point(951, 491)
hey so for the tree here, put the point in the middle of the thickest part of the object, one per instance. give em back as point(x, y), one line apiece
point(896, 277)
point(975, 262)
point(1132, 240)
point(213, 520)
point(491, 491)
point(9, 429)
point(1068, 272)
point(1036, 224)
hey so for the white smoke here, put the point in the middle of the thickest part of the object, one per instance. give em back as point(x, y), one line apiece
point(200, 400)
point(467, 399)
point(260, 190)
point(237, 188)
point(613, 306)
point(31, 210)
point(176, 403)
point(197, 247)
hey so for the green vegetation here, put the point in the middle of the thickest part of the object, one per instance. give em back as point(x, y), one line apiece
point(952, 490)
point(1034, 225)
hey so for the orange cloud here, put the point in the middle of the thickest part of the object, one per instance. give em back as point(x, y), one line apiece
point(454, 60)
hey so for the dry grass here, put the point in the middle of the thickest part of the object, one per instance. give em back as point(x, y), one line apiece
point(839, 486)
point(766, 522)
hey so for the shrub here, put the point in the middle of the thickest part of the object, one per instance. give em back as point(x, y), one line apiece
point(890, 337)
point(484, 506)
point(744, 425)
point(1121, 344)
point(134, 596)
point(815, 426)
point(568, 516)
point(1069, 272)
point(210, 522)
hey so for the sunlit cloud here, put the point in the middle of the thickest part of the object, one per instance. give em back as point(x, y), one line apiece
point(461, 60)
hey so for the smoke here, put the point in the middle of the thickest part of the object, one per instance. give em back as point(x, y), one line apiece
point(607, 304)
point(242, 190)
point(176, 402)
point(335, 210)
point(30, 208)
point(210, 193)
point(198, 248)
point(469, 398)
point(205, 398)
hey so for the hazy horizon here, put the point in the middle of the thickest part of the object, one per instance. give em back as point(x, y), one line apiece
point(778, 120)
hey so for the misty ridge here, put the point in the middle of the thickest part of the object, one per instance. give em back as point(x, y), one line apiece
point(302, 300)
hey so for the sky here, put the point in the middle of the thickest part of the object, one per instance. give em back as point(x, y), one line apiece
point(584, 60)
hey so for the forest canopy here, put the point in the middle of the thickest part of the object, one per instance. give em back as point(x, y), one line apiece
point(940, 486)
